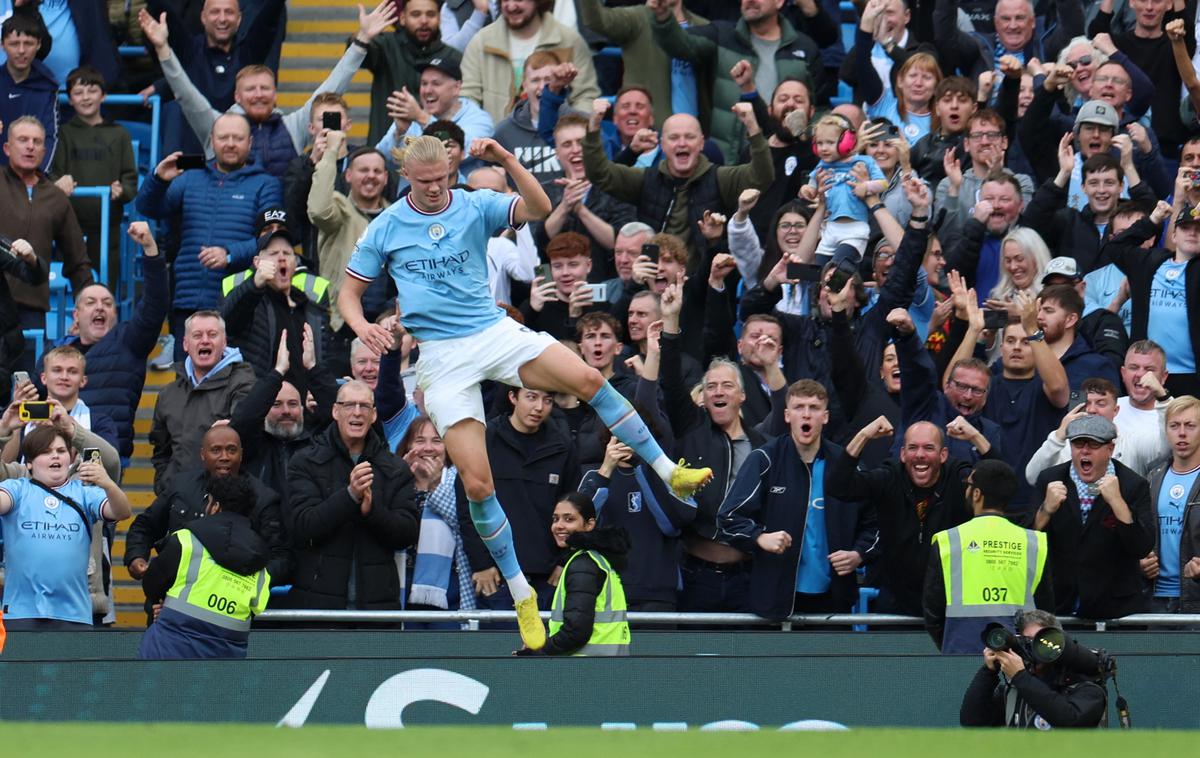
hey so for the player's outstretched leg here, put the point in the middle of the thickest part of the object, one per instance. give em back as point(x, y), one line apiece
point(494, 530)
point(619, 415)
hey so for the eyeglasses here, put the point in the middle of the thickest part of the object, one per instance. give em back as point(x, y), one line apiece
point(968, 389)
point(1120, 81)
point(981, 136)
point(353, 405)
point(883, 255)
point(1083, 60)
point(789, 226)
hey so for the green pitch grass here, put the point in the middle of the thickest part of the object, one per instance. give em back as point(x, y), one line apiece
point(213, 740)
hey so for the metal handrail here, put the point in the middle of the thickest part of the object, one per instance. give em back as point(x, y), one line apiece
point(105, 196)
point(689, 619)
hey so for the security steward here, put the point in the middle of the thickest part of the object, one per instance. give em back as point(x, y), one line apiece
point(985, 570)
point(210, 579)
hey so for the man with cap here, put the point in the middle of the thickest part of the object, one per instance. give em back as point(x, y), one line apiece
point(1103, 329)
point(1096, 512)
point(985, 570)
point(1074, 229)
point(438, 99)
point(1162, 285)
point(262, 308)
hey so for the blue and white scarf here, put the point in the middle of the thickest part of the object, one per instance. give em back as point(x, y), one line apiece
point(1088, 492)
point(440, 551)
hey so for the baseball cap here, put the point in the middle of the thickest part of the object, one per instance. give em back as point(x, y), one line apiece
point(447, 66)
point(1097, 112)
point(271, 216)
point(265, 239)
point(1188, 214)
point(1061, 266)
point(1095, 428)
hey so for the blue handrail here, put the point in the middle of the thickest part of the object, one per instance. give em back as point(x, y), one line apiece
point(105, 210)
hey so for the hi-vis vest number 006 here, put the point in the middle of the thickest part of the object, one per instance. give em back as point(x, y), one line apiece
point(990, 568)
point(610, 632)
point(207, 591)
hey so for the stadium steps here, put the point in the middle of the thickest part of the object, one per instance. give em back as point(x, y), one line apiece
point(316, 38)
point(138, 483)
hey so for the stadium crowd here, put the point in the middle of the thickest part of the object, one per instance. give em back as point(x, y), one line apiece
point(838, 277)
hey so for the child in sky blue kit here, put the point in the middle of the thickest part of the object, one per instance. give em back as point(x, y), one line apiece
point(834, 143)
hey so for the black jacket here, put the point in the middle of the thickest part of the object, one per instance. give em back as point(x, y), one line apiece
point(265, 455)
point(904, 536)
point(183, 504)
point(1070, 232)
point(527, 486)
point(1096, 566)
point(1055, 701)
point(770, 494)
point(582, 583)
point(256, 318)
point(698, 440)
point(332, 538)
point(230, 538)
point(1140, 265)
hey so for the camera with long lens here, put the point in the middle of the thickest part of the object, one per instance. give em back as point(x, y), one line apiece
point(1052, 646)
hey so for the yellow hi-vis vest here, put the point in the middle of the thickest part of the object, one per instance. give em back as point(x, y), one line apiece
point(315, 288)
point(610, 631)
point(990, 569)
point(207, 591)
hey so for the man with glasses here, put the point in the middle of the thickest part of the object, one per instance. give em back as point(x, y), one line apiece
point(352, 506)
point(985, 570)
point(1096, 512)
point(986, 144)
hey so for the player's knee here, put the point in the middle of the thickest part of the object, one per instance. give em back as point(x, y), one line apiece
point(591, 382)
point(477, 488)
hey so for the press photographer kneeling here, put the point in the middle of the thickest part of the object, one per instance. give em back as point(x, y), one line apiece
point(1043, 679)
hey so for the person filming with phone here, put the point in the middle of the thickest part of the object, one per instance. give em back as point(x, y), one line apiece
point(1041, 679)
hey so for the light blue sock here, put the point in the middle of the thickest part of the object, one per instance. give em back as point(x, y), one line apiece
point(627, 426)
point(494, 530)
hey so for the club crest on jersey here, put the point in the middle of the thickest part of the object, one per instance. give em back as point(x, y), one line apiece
point(436, 232)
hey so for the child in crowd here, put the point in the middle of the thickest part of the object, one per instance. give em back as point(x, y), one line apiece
point(835, 143)
point(95, 152)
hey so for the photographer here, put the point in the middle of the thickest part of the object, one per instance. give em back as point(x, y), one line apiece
point(1048, 695)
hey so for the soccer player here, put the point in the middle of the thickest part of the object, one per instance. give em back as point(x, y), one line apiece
point(434, 244)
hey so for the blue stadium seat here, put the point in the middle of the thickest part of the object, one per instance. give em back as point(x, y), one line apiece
point(38, 338)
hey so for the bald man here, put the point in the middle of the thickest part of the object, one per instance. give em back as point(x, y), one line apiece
point(916, 496)
point(186, 499)
point(220, 204)
point(676, 199)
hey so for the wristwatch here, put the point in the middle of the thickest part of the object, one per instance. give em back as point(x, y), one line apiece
point(1038, 336)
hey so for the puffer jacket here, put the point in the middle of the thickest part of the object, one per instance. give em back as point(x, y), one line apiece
point(271, 145)
point(714, 49)
point(255, 319)
point(185, 411)
point(185, 501)
point(219, 209)
point(116, 365)
point(333, 543)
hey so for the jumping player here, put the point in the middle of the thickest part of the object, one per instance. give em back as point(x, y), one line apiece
point(434, 244)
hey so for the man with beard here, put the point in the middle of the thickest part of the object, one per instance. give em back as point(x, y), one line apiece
point(1029, 390)
point(186, 499)
point(1060, 308)
point(915, 497)
point(986, 143)
point(278, 137)
point(1096, 512)
point(396, 59)
point(494, 60)
point(976, 252)
point(787, 118)
point(271, 422)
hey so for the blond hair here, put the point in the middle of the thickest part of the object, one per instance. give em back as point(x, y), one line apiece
point(1179, 405)
point(423, 149)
